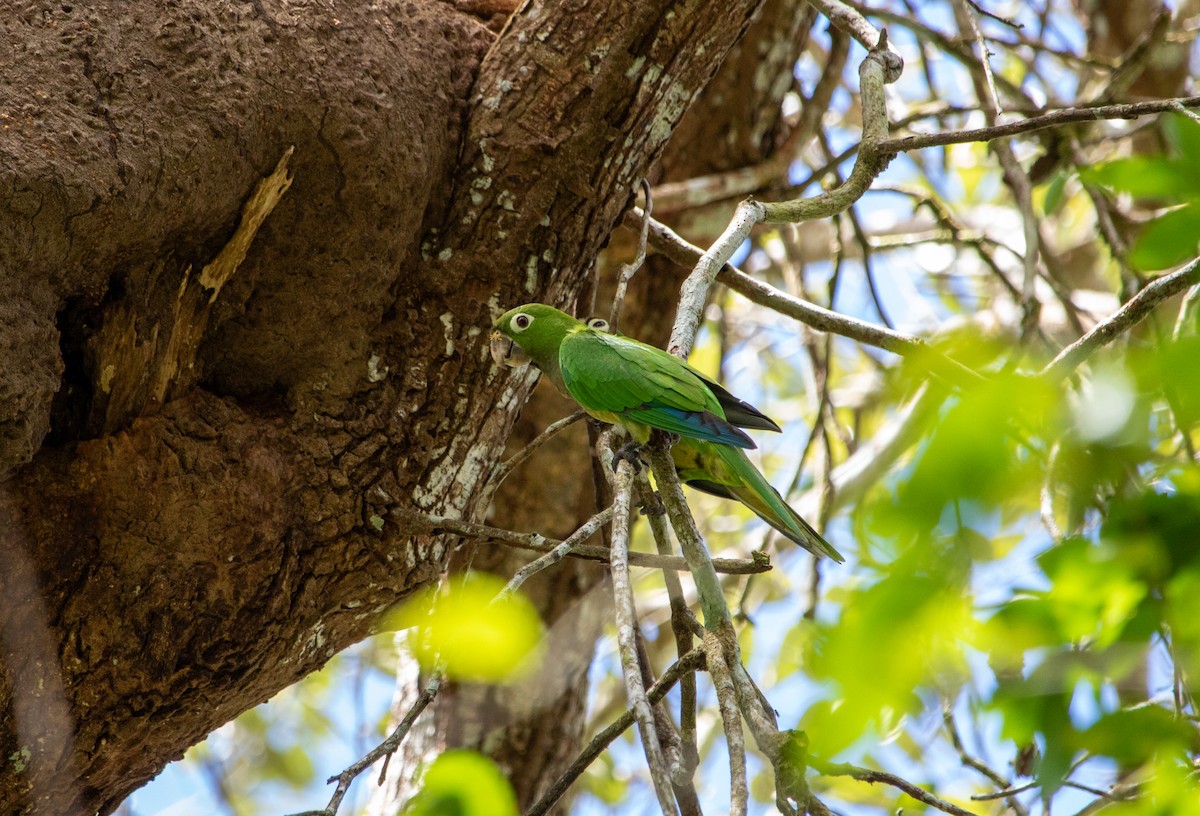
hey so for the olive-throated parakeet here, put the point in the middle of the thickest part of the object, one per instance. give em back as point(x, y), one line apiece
point(618, 380)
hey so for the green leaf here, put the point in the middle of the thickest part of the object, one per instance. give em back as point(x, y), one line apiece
point(476, 636)
point(1168, 240)
point(973, 453)
point(1055, 193)
point(1135, 736)
point(463, 783)
point(1183, 134)
point(1145, 177)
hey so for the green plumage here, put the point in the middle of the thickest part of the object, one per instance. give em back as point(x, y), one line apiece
point(621, 381)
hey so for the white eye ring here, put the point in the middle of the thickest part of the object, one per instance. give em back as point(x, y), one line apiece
point(597, 324)
point(522, 322)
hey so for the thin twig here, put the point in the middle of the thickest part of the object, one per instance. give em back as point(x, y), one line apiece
point(1120, 321)
point(627, 623)
point(630, 269)
point(435, 525)
point(560, 551)
point(686, 665)
point(503, 470)
point(873, 776)
point(384, 749)
point(1015, 177)
point(975, 763)
point(1058, 118)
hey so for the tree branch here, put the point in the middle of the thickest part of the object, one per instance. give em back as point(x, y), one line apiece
point(670, 244)
point(560, 551)
point(384, 749)
point(869, 775)
point(1066, 116)
point(1120, 321)
point(434, 525)
point(687, 664)
point(626, 620)
point(880, 66)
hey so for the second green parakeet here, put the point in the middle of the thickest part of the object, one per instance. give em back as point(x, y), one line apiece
point(621, 381)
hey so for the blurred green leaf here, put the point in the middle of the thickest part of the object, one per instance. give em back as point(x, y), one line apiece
point(291, 765)
point(477, 637)
point(1155, 533)
point(1135, 736)
point(1146, 177)
point(899, 635)
point(1092, 595)
point(463, 783)
point(1183, 134)
point(1179, 376)
point(1055, 193)
point(975, 454)
point(1167, 240)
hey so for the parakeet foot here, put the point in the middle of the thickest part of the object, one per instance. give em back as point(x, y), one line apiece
point(631, 453)
point(653, 505)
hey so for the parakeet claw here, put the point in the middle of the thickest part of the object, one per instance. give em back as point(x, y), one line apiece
point(631, 453)
point(653, 506)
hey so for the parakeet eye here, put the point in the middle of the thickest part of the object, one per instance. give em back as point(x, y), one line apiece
point(521, 322)
point(597, 324)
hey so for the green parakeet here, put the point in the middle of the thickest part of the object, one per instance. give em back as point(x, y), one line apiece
point(618, 380)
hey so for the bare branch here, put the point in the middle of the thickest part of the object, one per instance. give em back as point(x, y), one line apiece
point(630, 269)
point(434, 525)
point(560, 551)
point(880, 66)
point(681, 618)
point(720, 672)
point(509, 465)
point(672, 245)
point(686, 665)
point(626, 620)
point(1058, 118)
point(869, 775)
point(849, 20)
point(384, 749)
point(1125, 318)
point(708, 586)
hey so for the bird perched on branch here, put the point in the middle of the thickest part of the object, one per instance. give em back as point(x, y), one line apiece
point(621, 381)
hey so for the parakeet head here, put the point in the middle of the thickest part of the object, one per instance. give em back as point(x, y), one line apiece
point(532, 332)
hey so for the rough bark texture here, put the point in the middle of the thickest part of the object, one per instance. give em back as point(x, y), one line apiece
point(535, 732)
point(171, 561)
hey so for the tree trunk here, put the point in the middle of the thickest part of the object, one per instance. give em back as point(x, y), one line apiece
point(205, 452)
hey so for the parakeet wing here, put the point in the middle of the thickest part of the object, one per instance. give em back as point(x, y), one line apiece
point(641, 384)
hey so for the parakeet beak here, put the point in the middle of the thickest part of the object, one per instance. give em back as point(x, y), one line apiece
point(506, 352)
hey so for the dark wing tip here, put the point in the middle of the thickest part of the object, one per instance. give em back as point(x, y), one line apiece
point(738, 411)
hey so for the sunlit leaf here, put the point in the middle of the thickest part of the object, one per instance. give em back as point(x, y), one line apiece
point(1144, 177)
point(1168, 240)
point(476, 636)
point(1054, 194)
point(1183, 134)
point(1135, 736)
point(899, 635)
point(974, 453)
point(463, 783)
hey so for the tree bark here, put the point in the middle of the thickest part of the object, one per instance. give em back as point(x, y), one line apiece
point(178, 554)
